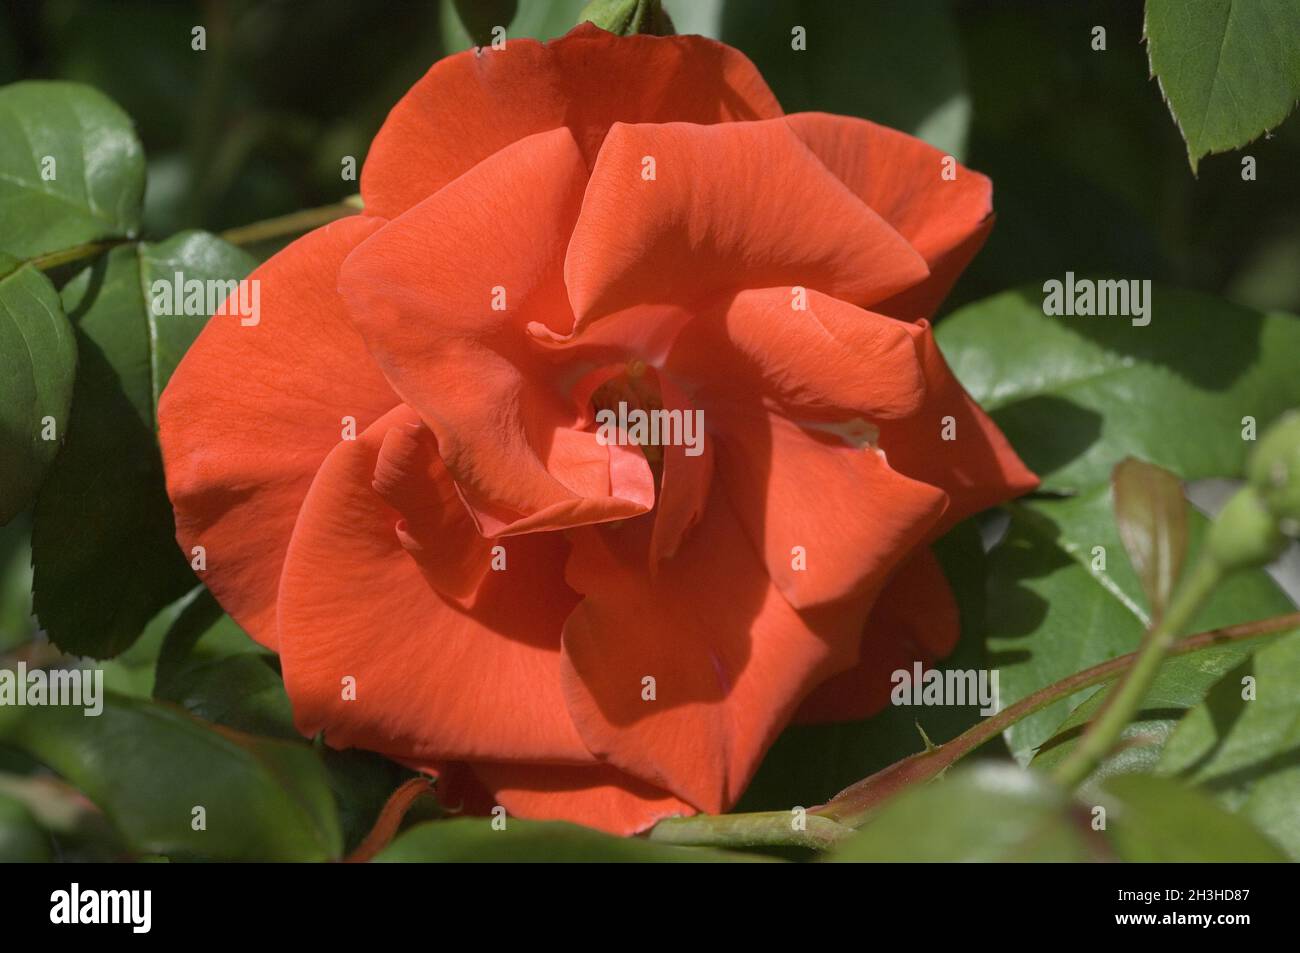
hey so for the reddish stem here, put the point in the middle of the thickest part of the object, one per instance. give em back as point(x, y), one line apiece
point(852, 804)
point(390, 819)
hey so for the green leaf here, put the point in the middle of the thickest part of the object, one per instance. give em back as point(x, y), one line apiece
point(1157, 820)
point(71, 168)
point(474, 839)
point(1063, 598)
point(896, 64)
point(211, 668)
point(148, 766)
point(21, 838)
point(1151, 514)
point(17, 624)
point(1077, 394)
point(811, 763)
point(1227, 68)
point(38, 361)
point(1246, 752)
point(989, 813)
point(103, 538)
point(1181, 685)
point(132, 672)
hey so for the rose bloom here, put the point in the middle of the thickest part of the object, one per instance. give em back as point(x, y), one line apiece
point(572, 627)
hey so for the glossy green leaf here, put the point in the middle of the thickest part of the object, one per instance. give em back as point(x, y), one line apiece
point(38, 361)
point(1151, 513)
point(103, 538)
point(1227, 68)
point(1242, 744)
point(71, 168)
point(989, 813)
point(1157, 820)
point(1075, 395)
point(896, 64)
point(475, 839)
point(1062, 598)
point(148, 766)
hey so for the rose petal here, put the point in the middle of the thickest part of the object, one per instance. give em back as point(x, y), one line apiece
point(432, 680)
point(422, 294)
point(978, 468)
point(474, 103)
point(831, 521)
point(729, 657)
point(901, 177)
point(600, 796)
point(251, 411)
point(914, 619)
point(830, 362)
point(730, 206)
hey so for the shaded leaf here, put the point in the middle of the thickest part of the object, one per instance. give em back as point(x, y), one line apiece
point(148, 766)
point(212, 669)
point(38, 361)
point(21, 838)
point(988, 813)
point(1158, 820)
point(474, 839)
point(103, 537)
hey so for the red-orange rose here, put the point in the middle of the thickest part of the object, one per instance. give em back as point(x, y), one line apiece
point(564, 625)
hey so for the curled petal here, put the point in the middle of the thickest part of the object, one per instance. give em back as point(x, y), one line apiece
point(376, 658)
point(728, 207)
point(802, 353)
point(445, 312)
point(943, 209)
point(952, 444)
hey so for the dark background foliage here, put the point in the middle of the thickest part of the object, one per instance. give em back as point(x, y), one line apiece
point(1090, 171)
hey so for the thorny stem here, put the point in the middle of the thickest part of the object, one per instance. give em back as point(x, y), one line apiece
point(851, 807)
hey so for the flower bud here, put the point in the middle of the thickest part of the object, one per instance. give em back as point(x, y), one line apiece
point(627, 17)
point(1274, 471)
point(1244, 534)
